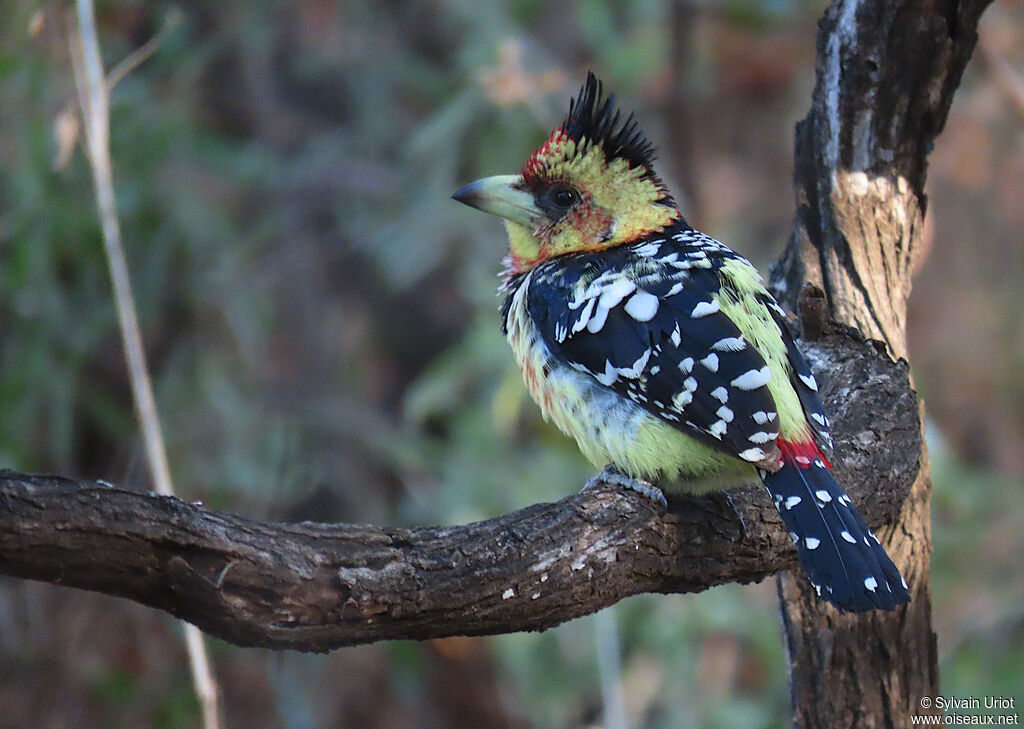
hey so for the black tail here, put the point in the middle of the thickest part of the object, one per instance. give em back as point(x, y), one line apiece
point(842, 557)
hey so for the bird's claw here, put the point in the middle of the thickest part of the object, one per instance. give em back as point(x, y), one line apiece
point(610, 475)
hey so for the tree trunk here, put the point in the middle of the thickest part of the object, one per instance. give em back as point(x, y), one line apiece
point(886, 75)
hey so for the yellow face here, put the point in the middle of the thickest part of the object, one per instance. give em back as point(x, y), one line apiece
point(571, 195)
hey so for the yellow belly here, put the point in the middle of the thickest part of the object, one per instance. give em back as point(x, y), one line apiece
point(608, 427)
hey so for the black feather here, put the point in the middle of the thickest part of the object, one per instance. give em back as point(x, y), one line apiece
point(594, 117)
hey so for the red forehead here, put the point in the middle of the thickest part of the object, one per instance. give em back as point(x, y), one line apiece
point(538, 162)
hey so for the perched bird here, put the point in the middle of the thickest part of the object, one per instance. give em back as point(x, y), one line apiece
point(658, 348)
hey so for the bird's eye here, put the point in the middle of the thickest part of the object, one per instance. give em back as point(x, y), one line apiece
point(565, 197)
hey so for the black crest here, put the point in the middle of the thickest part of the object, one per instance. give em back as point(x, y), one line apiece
point(595, 117)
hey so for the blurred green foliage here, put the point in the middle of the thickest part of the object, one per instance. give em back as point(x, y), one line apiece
point(321, 322)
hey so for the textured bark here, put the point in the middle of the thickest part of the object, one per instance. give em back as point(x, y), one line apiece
point(886, 75)
point(317, 586)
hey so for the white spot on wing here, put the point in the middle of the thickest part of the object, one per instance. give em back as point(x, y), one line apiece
point(752, 380)
point(585, 315)
point(615, 292)
point(753, 455)
point(725, 414)
point(682, 399)
point(609, 376)
point(711, 362)
point(637, 368)
point(648, 249)
point(704, 308)
point(597, 320)
point(686, 366)
point(729, 344)
point(720, 394)
point(762, 437)
point(718, 429)
point(642, 306)
point(509, 593)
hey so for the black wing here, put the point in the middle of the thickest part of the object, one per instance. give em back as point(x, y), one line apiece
point(803, 380)
point(642, 321)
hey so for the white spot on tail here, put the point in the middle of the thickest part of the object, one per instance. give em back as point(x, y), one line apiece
point(871, 583)
point(847, 536)
point(823, 496)
point(792, 501)
point(509, 593)
point(809, 381)
point(812, 542)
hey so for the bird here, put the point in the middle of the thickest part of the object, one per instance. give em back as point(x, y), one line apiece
point(659, 349)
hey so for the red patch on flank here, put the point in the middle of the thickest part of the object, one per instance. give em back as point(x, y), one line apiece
point(802, 453)
point(540, 394)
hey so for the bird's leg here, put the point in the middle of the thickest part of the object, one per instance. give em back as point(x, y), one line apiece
point(609, 474)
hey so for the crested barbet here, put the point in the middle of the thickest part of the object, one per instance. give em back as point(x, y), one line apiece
point(659, 349)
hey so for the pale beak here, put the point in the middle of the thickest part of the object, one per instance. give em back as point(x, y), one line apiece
point(502, 195)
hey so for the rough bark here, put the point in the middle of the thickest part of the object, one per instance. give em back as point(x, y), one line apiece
point(886, 75)
point(318, 586)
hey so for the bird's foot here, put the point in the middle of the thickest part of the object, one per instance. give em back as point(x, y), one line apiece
point(610, 475)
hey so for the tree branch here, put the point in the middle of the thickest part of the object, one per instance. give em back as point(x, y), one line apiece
point(315, 586)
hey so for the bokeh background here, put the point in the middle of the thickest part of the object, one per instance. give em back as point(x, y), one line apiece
point(321, 322)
